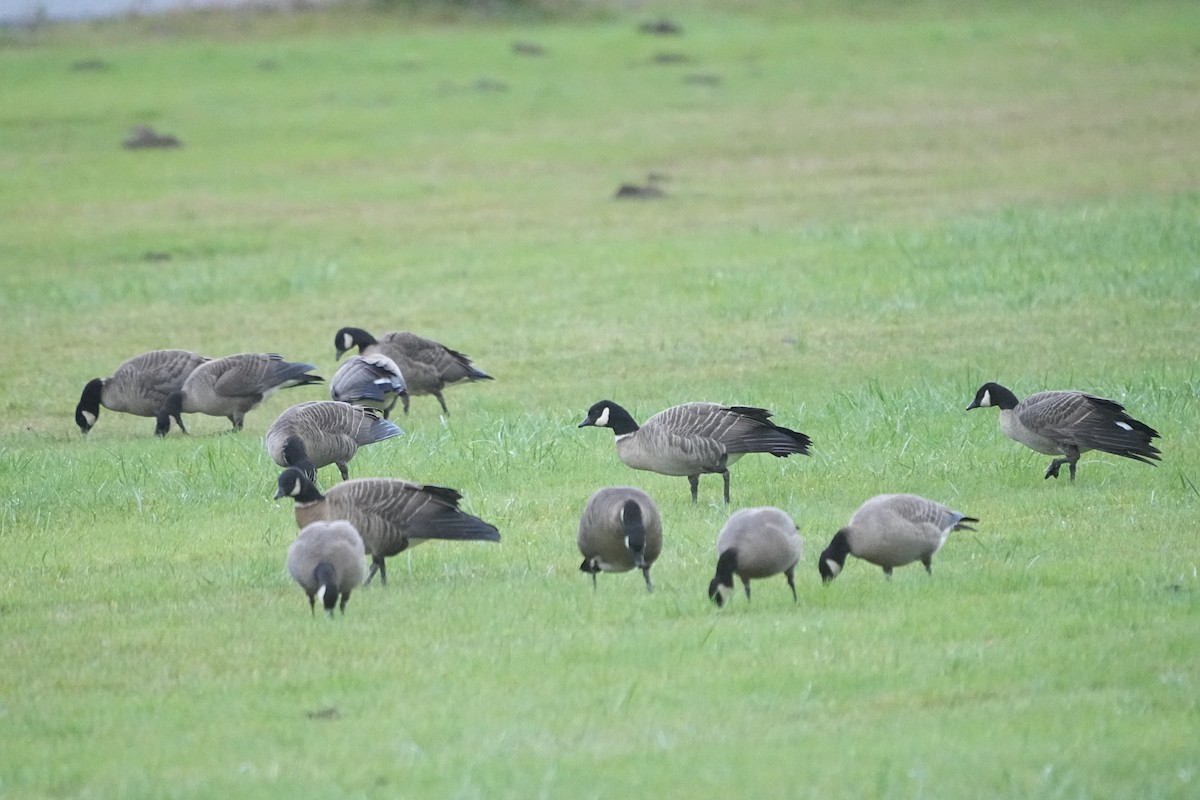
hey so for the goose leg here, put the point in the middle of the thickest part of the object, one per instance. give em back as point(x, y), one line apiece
point(888, 572)
point(646, 575)
point(746, 583)
point(790, 574)
point(928, 562)
point(179, 422)
point(342, 468)
point(404, 400)
point(442, 400)
point(376, 566)
point(1072, 457)
point(725, 476)
point(694, 482)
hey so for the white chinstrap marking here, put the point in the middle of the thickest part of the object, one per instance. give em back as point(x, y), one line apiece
point(90, 418)
point(321, 594)
point(834, 567)
point(986, 400)
point(602, 420)
point(295, 492)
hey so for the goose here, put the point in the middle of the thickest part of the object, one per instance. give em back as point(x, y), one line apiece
point(139, 386)
point(327, 560)
point(1069, 423)
point(320, 432)
point(620, 529)
point(695, 438)
point(891, 530)
point(230, 387)
point(427, 367)
point(390, 514)
point(373, 381)
point(755, 543)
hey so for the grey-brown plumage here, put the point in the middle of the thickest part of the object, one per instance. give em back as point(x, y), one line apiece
point(139, 386)
point(320, 432)
point(695, 438)
point(328, 561)
point(891, 530)
point(373, 381)
point(620, 529)
point(1069, 423)
point(755, 543)
point(231, 386)
point(390, 514)
point(427, 366)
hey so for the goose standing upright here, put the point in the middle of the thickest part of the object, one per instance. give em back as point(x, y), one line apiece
point(320, 432)
point(1069, 423)
point(427, 366)
point(139, 386)
point(230, 387)
point(390, 514)
point(891, 530)
point(755, 543)
point(695, 438)
point(620, 529)
point(327, 559)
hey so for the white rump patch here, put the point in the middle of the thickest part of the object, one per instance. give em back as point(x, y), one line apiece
point(602, 420)
point(1124, 425)
point(90, 417)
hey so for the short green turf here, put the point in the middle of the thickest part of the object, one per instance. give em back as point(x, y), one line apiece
point(869, 210)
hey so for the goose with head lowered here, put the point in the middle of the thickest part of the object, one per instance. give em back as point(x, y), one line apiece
point(620, 530)
point(427, 366)
point(694, 439)
point(1069, 423)
point(372, 381)
point(320, 432)
point(891, 530)
point(327, 559)
point(232, 386)
point(139, 386)
point(390, 514)
point(755, 543)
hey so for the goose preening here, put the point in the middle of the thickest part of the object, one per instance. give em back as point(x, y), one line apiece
point(327, 559)
point(1069, 423)
point(139, 386)
point(755, 543)
point(427, 366)
point(390, 514)
point(230, 387)
point(320, 432)
point(695, 438)
point(620, 530)
point(891, 530)
point(373, 381)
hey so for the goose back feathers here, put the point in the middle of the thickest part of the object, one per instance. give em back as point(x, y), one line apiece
point(621, 529)
point(428, 367)
point(327, 559)
point(1069, 423)
point(891, 530)
point(231, 386)
point(755, 543)
point(695, 438)
point(373, 381)
point(139, 386)
point(390, 514)
point(321, 432)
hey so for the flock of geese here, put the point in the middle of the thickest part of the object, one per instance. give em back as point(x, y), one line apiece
point(621, 526)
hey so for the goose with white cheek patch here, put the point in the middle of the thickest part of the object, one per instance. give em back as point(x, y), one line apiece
point(390, 514)
point(327, 559)
point(139, 386)
point(1069, 423)
point(891, 530)
point(694, 439)
point(428, 366)
point(232, 386)
point(620, 530)
point(755, 543)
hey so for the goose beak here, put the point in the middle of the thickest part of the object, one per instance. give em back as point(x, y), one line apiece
point(973, 405)
point(279, 493)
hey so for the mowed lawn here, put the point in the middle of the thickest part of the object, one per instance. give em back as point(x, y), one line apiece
point(868, 210)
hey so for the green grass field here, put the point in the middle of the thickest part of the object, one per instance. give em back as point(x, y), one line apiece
point(871, 209)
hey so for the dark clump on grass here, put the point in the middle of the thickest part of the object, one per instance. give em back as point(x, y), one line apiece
point(143, 137)
point(670, 58)
point(650, 190)
point(661, 27)
point(89, 65)
point(528, 49)
point(702, 79)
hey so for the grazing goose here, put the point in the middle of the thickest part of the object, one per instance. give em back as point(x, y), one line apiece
point(231, 386)
point(755, 543)
point(620, 529)
point(327, 561)
point(891, 530)
point(427, 367)
point(320, 432)
point(392, 515)
point(695, 438)
point(1069, 423)
point(372, 381)
point(139, 386)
